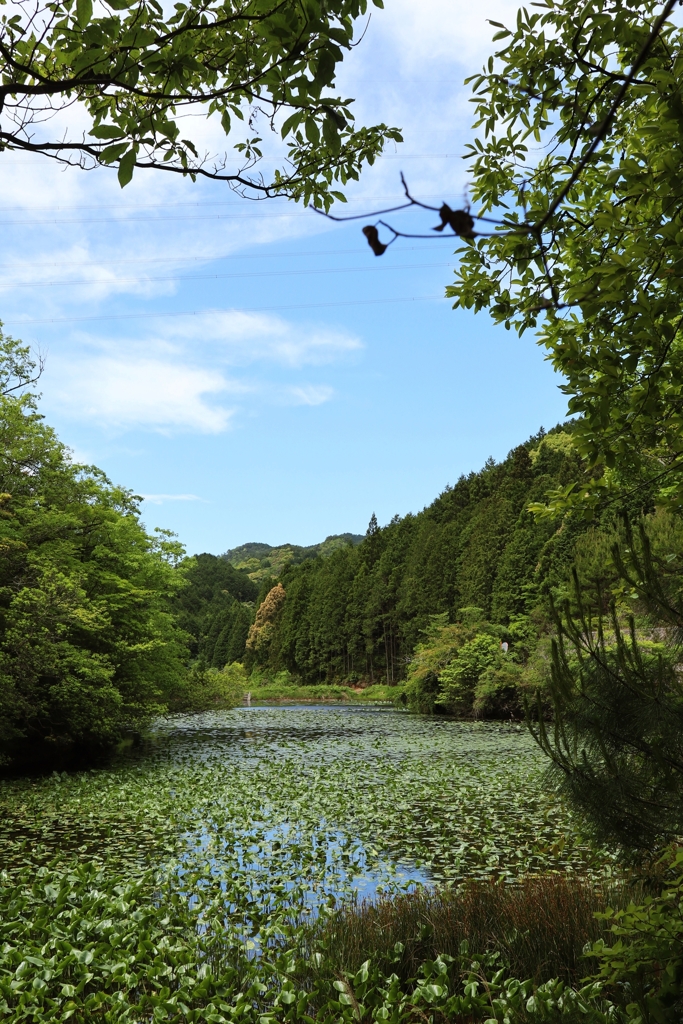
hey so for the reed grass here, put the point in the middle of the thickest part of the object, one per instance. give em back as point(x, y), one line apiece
point(539, 926)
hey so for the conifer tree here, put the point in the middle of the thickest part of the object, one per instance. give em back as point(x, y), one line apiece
point(616, 741)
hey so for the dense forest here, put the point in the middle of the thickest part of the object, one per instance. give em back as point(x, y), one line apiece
point(454, 600)
point(102, 625)
point(360, 613)
point(89, 642)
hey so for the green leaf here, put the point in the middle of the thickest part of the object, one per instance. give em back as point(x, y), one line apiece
point(112, 153)
point(292, 122)
point(106, 131)
point(312, 131)
point(126, 167)
point(83, 12)
point(331, 135)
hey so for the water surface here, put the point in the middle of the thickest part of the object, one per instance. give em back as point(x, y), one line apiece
point(303, 805)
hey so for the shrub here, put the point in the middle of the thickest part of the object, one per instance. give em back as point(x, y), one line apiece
point(460, 677)
point(207, 689)
point(644, 961)
point(499, 691)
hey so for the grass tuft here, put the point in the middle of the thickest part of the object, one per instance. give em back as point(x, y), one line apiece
point(539, 926)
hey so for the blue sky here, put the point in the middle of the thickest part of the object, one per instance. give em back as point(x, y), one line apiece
point(253, 369)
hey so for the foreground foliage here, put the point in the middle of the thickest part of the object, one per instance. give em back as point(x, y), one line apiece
point(135, 70)
point(80, 950)
point(577, 165)
point(617, 699)
point(539, 927)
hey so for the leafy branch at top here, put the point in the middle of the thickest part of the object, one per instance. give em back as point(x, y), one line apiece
point(135, 70)
point(576, 226)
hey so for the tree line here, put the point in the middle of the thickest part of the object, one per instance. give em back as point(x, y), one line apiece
point(89, 642)
point(455, 602)
point(103, 625)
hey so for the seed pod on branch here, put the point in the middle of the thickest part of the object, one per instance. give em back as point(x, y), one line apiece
point(372, 235)
point(459, 220)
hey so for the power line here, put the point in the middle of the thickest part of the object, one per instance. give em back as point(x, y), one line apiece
point(210, 258)
point(205, 312)
point(151, 219)
point(160, 218)
point(203, 203)
point(220, 277)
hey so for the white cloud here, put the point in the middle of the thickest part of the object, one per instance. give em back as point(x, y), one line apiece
point(124, 393)
point(159, 499)
point(310, 394)
point(73, 273)
point(256, 337)
point(454, 31)
point(111, 384)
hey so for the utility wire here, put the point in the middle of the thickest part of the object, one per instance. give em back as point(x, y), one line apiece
point(233, 309)
point(222, 277)
point(202, 203)
point(161, 218)
point(209, 258)
point(129, 221)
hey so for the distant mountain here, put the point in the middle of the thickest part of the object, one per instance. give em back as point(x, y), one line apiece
point(260, 560)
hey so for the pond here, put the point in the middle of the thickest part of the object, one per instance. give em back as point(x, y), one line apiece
point(191, 879)
point(332, 799)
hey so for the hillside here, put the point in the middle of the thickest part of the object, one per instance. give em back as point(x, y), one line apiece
point(260, 561)
point(356, 611)
point(359, 614)
point(474, 564)
point(471, 572)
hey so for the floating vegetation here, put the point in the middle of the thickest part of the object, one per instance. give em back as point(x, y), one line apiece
point(185, 875)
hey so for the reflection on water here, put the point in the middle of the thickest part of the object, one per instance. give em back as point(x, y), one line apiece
point(256, 820)
point(343, 865)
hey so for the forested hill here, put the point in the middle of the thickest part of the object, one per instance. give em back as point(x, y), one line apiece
point(218, 605)
point(264, 560)
point(359, 613)
point(217, 601)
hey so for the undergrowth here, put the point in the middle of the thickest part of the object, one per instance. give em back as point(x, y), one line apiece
point(201, 879)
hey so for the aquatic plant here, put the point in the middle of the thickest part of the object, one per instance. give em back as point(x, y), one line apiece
point(181, 882)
